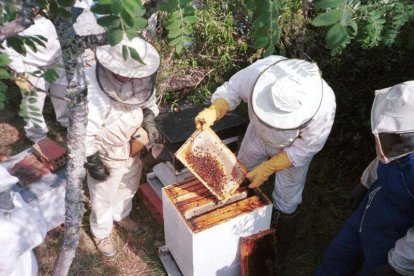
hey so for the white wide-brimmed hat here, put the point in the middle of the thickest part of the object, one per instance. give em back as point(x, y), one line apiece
point(111, 58)
point(6, 180)
point(288, 94)
point(393, 109)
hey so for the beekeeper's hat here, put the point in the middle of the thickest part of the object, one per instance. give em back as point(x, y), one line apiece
point(288, 94)
point(111, 58)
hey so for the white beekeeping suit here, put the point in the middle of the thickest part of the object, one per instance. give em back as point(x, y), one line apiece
point(121, 100)
point(22, 229)
point(291, 112)
point(45, 57)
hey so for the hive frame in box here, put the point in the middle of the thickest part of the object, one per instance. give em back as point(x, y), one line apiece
point(205, 142)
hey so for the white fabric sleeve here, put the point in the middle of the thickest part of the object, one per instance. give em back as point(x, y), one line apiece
point(401, 257)
point(98, 108)
point(370, 173)
point(152, 104)
point(312, 138)
point(240, 85)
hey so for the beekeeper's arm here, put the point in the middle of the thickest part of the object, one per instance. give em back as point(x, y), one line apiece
point(150, 111)
point(401, 257)
point(229, 95)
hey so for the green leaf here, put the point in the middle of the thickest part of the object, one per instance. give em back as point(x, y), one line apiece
point(327, 18)
point(174, 33)
point(4, 74)
point(179, 47)
point(125, 52)
point(29, 43)
point(129, 20)
point(131, 33)
point(41, 37)
point(336, 36)
point(135, 55)
point(17, 44)
point(36, 125)
point(140, 23)
point(4, 59)
point(114, 37)
point(101, 9)
point(173, 25)
point(108, 21)
point(3, 87)
point(262, 42)
point(63, 13)
point(325, 4)
point(2, 105)
point(140, 11)
point(51, 76)
point(66, 3)
point(34, 119)
point(190, 19)
point(32, 100)
point(169, 5)
point(38, 41)
point(175, 41)
point(33, 108)
point(188, 30)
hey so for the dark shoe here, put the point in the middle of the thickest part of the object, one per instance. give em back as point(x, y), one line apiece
point(105, 246)
point(285, 225)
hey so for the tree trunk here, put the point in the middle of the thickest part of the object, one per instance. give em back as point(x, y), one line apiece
point(76, 93)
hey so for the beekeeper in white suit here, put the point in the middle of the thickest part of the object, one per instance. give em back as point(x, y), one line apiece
point(121, 100)
point(291, 112)
point(21, 229)
point(45, 57)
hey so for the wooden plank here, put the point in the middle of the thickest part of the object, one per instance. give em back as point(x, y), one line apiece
point(257, 253)
point(225, 213)
point(152, 201)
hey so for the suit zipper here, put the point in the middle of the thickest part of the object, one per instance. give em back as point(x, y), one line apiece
point(370, 198)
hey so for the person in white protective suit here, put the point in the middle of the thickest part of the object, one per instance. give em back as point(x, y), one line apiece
point(121, 101)
point(45, 57)
point(291, 112)
point(378, 238)
point(21, 229)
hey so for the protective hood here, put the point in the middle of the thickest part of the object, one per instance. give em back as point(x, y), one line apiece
point(133, 92)
point(392, 121)
point(287, 94)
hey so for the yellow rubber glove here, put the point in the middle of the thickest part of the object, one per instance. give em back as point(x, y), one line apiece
point(209, 115)
point(262, 172)
point(23, 83)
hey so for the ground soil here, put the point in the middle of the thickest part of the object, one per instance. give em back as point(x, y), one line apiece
point(326, 198)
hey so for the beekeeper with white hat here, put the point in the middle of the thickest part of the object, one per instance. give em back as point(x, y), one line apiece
point(22, 229)
point(35, 88)
point(291, 112)
point(121, 100)
point(378, 238)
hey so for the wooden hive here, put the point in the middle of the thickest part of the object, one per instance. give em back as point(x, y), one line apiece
point(202, 233)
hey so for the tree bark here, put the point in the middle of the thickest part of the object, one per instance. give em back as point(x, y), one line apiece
point(22, 22)
point(76, 93)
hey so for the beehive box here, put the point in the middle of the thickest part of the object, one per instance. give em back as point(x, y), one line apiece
point(207, 243)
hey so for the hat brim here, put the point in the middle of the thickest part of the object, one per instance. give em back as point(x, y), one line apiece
point(310, 79)
point(129, 68)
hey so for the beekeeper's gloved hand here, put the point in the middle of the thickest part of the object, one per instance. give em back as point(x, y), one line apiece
point(262, 172)
point(23, 83)
point(214, 112)
point(357, 195)
point(149, 125)
point(96, 168)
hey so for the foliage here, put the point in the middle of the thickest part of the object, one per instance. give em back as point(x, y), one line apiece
point(265, 27)
point(180, 21)
point(371, 23)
